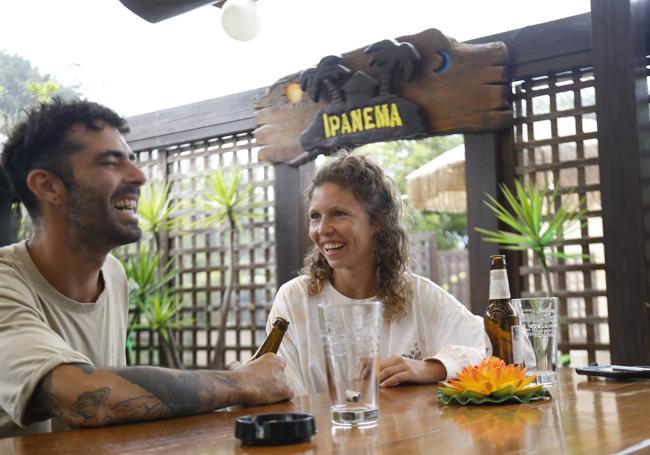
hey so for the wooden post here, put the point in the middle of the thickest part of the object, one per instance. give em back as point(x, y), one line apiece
point(618, 35)
point(291, 230)
point(481, 175)
point(489, 160)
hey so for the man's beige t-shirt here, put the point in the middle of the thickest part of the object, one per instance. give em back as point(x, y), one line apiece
point(40, 329)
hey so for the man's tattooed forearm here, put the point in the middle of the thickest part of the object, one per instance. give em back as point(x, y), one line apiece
point(159, 393)
point(182, 392)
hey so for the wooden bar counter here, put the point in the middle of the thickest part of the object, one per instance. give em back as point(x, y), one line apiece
point(583, 417)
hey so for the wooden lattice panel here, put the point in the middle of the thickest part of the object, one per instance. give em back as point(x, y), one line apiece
point(201, 255)
point(424, 255)
point(556, 145)
point(454, 274)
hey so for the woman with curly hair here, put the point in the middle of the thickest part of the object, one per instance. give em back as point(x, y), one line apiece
point(360, 253)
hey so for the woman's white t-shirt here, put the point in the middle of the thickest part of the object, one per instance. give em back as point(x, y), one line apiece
point(435, 326)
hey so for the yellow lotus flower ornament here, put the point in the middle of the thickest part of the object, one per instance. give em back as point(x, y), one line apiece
point(491, 381)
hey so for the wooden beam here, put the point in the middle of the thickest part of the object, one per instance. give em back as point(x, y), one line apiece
point(619, 50)
point(192, 122)
point(291, 230)
point(542, 48)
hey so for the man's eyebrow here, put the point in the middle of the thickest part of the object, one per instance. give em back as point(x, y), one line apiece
point(117, 154)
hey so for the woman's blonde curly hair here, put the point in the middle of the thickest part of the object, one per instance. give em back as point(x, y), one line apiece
point(378, 195)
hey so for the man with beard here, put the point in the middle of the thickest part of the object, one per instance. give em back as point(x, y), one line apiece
point(63, 297)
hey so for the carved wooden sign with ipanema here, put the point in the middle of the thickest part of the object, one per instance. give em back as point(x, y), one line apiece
point(416, 86)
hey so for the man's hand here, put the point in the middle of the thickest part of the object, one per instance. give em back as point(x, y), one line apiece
point(397, 370)
point(262, 381)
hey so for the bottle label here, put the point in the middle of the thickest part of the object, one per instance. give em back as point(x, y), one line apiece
point(499, 288)
point(517, 351)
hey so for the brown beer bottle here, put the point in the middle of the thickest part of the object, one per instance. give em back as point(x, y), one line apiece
point(272, 341)
point(501, 320)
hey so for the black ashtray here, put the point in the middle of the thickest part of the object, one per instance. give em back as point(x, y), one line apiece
point(275, 429)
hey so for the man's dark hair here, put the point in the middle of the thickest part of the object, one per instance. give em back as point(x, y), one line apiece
point(42, 141)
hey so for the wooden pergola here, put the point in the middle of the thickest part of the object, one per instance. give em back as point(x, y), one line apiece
point(604, 52)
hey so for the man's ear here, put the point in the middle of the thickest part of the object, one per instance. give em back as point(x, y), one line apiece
point(47, 187)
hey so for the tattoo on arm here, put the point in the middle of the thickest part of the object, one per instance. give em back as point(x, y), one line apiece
point(228, 381)
point(181, 392)
point(167, 393)
point(88, 403)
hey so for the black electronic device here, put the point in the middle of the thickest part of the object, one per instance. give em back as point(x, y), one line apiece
point(616, 371)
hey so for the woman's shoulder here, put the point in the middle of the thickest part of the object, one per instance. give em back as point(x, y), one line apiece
point(293, 290)
point(424, 289)
point(420, 283)
point(297, 284)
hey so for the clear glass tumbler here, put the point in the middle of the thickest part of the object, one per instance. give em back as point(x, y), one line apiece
point(538, 316)
point(350, 333)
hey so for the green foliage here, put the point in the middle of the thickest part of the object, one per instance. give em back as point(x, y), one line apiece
point(531, 229)
point(450, 228)
point(155, 209)
point(225, 201)
point(42, 91)
point(23, 85)
point(400, 158)
point(161, 313)
point(144, 275)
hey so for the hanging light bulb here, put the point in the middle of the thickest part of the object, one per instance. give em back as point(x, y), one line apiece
point(240, 19)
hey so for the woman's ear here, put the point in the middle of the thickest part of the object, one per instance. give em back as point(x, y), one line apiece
point(47, 187)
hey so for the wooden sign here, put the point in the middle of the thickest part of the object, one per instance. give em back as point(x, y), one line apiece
point(416, 86)
point(362, 109)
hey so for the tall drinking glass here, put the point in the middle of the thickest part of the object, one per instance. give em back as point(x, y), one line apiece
point(538, 316)
point(350, 333)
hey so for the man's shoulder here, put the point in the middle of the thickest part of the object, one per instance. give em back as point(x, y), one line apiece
point(113, 263)
point(11, 253)
point(16, 282)
point(12, 260)
point(114, 268)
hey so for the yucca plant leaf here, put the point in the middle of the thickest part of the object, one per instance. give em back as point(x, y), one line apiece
point(525, 197)
point(155, 208)
point(554, 227)
point(524, 215)
point(515, 205)
point(225, 201)
point(515, 214)
point(504, 236)
point(507, 218)
point(537, 206)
